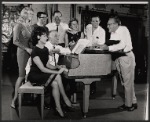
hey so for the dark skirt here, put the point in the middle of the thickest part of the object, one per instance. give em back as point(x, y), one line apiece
point(38, 78)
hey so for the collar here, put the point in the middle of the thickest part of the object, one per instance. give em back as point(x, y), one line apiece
point(117, 30)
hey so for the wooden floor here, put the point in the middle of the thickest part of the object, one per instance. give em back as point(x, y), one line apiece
point(101, 107)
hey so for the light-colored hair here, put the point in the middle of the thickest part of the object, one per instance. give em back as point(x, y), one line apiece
point(25, 9)
point(21, 18)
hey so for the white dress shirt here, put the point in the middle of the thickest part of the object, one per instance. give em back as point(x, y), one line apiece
point(96, 37)
point(61, 30)
point(63, 51)
point(122, 34)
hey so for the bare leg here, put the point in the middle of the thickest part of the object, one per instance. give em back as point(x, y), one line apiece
point(17, 85)
point(62, 91)
point(56, 95)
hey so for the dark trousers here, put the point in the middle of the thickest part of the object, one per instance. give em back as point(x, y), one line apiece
point(93, 87)
point(72, 86)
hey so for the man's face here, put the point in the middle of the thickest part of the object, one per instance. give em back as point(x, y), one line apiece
point(54, 37)
point(112, 25)
point(43, 19)
point(95, 22)
point(57, 18)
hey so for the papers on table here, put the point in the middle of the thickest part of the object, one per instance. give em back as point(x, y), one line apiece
point(80, 46)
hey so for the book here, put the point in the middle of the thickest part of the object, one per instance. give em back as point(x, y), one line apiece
point(80, 46)
point(112, 42)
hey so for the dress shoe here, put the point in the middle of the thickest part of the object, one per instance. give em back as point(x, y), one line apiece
point(126, 108)
point(92, 92)
point(133, 107)
point(113, 96)
point(122, 107)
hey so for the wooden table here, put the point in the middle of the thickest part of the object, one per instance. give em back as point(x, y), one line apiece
point(91, 68)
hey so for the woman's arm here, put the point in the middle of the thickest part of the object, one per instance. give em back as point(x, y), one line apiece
point(16, 38)
point(66, 40)
point(82, 35)
point(40, 65)
point(48, 65)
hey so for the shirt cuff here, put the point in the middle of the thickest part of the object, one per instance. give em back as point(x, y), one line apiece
point(110, 48)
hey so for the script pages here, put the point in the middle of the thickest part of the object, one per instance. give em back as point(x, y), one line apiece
point(80, 46)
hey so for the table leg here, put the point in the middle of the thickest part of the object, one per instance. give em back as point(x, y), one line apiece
point(19, 95)
point(42, 105)
point(86, 94)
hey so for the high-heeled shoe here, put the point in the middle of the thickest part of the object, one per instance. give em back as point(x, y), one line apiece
point(13, 105)
point(69, 109)
point(60, 113)
point(68, 103)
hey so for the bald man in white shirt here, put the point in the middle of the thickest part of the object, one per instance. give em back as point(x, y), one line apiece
point(125, 64)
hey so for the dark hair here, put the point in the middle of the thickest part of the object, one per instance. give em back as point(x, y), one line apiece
point(95, 15)
point(73, 19)
point(57, 12)
point(38, 31)
point(116, 18)
point(40, 13)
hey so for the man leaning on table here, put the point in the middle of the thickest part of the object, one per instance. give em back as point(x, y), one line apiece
point(125, 64)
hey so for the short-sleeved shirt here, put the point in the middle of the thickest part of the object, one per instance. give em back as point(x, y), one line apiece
point(36, 75)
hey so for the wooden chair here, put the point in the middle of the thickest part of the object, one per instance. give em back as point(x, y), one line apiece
point(29, 88)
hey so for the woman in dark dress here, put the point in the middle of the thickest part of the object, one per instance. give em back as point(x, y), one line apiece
point(74, 34)
point(40, 72)
point(72, 37)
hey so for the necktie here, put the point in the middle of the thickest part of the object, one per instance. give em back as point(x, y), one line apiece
point(57, 28)
point(54, 56)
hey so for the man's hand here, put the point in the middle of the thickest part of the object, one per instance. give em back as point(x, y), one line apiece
point(52, 51)
point(104, 47)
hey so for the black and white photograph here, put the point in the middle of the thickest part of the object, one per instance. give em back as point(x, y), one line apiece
point(75, 60)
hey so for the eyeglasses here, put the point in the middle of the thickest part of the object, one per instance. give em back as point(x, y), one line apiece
point(43, 17)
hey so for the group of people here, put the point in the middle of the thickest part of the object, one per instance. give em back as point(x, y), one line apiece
point(46, 43)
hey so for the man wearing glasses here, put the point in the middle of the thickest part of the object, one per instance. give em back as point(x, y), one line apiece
point(59, 26)
point(125, 64)
point(41, 20)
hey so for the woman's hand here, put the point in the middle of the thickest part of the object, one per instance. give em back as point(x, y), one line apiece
point(62, 70)
point(28, 50)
